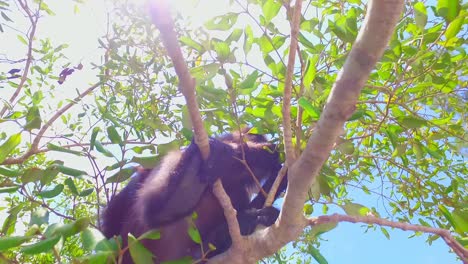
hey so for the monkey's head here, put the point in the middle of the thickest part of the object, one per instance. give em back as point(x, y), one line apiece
point(262, 157)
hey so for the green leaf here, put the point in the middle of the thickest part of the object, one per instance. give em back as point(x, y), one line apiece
point(6, 17)
point(315, 253)
point(71, 185)
point(385, 232)
point(8, 172)
point(12, 241)
point(412, 122)
point(140, 255)
point(90, 238)
point(41, 246)
point(86, 192)
point(222, 50)
point(22, 39)
point(120, 176)
point(9, 145)
point(93, 137)
point(310, 71)
point(205, 72)
point(192, 43)
point(114, 135)
point(62, 149)
point(448, 9)
point(46, 8)
point(52, 193)
point(420, 15)
point(434, 152)
point(347, 147)
point(308, 209)
point(460, 221)
point(194, 234)
point(39, 217)
point(454, 27)
point(355, 209)
point(270, 9)
point(224, 22)
point(70, 171)
point(358, 114)
point(447, 214)
point(249, 81)
point(109, 245)
point(97, 258)
point(33, 119)
point(248, 39)
point(313, 111)
point(9, 189)
point(32, 175)
point(100, 148)
point(117, 165)
point(234, 36)
point(320, 229)
point(148, 162)
point(153, 234)
point(50, 173)
point(71, 229)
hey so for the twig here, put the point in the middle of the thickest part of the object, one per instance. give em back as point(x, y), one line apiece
point(286, 110)
point(34, 146)
point(229, 212)
point(274, 188)
point(443, 233)
point(33, 19)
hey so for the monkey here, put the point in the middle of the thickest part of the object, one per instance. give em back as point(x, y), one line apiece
point(163, 197)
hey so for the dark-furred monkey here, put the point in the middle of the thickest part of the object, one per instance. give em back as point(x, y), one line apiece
point(163, 197)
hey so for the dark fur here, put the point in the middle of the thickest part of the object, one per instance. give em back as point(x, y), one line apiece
point(163, 197)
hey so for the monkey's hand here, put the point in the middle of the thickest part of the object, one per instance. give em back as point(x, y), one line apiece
point(251, 218)
point(219, 160)
point(267, 216)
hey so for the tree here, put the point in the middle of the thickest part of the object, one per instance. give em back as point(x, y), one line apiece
point(264, 63)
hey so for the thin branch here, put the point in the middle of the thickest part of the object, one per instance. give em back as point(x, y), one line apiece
point(34, 146)
point(229, 212)
point(33, 18)
point(300, 110)
point(443, 233)
point(274, 188)
point(286, 110)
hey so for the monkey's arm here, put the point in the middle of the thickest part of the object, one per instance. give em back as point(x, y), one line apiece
point(174, 190)
point(259, 199)
point(248, 222)
point(114, 215)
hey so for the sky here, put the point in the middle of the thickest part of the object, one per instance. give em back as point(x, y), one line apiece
point(348, 243)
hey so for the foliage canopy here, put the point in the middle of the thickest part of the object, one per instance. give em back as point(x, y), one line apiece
point(65, 149)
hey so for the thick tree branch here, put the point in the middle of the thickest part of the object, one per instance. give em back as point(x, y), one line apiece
point(161, 17)
point(444, 234)
point(369, 46)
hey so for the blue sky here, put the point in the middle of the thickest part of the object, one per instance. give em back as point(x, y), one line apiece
point(348, 243)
